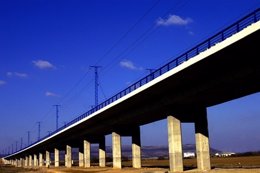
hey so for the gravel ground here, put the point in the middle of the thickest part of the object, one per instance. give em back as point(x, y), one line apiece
point(11, 169)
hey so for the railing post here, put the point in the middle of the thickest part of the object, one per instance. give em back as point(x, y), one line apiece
point(222, 36)
point(238, 27)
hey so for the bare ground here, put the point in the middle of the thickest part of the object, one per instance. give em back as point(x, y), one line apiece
point(111, 170)
point(219, 165)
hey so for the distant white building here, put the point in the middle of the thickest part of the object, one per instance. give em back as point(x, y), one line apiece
point(224, 154)
point(188, 154)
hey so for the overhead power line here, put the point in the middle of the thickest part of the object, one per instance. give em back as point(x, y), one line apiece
point(106, 53)
point(112, 47)
point(140, 39)
point(128, 31)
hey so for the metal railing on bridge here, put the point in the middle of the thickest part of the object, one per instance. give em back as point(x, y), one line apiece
point(236, 27)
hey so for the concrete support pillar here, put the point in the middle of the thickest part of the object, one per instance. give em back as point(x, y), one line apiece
point(35, 160)
point(81, 157)
point(68, 156)
point(136, 148)
point(30, 161)
point(47, 159)
point(102, 152)
point(202, 141)
point(175, 144)
point(40, 160)
point(86, 146)
point(16, 162)
point(26, 161)
point(56, 157)
point(116, 148)
point(21, 162)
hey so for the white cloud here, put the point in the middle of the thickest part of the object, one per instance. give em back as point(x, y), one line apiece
point(173, 20)
point(42, 64)
point(2, 82)
point(17, 74)
point(51, 94)
point(129, 65)
point(9, 74)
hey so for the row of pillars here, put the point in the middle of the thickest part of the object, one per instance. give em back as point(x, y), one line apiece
point(174, 141)
point(84, 154)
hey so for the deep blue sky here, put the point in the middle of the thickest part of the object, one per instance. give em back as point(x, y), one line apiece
point(47, 46)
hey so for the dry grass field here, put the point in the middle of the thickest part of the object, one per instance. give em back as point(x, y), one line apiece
point(216, 162)
point(219, 165)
